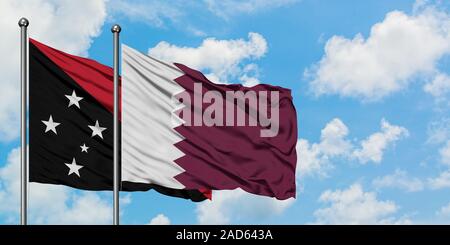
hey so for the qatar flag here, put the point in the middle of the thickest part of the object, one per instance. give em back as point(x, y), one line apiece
point(182, 131)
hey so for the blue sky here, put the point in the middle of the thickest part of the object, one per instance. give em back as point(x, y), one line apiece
point(370, 82)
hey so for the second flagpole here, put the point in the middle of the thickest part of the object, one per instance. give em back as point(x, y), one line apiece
point(116, 182)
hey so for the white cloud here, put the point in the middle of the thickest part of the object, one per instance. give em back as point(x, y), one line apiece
point(49, 204)
point(441, 181)
point(79, 209)
point(332, 138)
point(233, 206)
point(125, 199)
point(444, 152)
point(223, 59)
point(160, 219)
point(228, 8)
point(9, 183)
point(315, 158)
point(66, 25)
point(354, 206)
point(444, 211)
point(439, 131)
point(178, 13)
point(310, 160)
point(154, 13)
point(439, 134)
point(249, 81)
point(439, 86)
point(396, 50)
point(399, 179)
point(250, 75)
point(373, 147)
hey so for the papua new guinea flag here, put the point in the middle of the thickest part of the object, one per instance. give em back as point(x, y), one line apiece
point(182, 131)
point(71, 124)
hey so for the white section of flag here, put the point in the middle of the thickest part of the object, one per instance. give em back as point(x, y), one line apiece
point(148, 137)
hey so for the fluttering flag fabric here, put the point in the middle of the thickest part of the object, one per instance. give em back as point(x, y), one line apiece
point(182, 131)
point(71, 124)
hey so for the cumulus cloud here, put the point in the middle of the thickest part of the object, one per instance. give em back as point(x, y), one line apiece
point(373, 147)
point(160, 219)
point(397, 49)
point(79, 209)
point(49, 204)
point(441, 181)
point(332, 138)
point(439, 134)
point(66, 25)
point(439, 86)
point(224, 60)
point(234, 206)
point(228, 8)
point(439, 131)
point(355, 206)
point(316, 158)
point(444, 152)
point(399, 179)
point(444, 211)
point(310, 160)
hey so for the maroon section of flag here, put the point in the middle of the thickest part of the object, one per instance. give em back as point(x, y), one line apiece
point(229, 157)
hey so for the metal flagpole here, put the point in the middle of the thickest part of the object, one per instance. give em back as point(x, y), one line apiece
point(116, 30)
point(23, 23)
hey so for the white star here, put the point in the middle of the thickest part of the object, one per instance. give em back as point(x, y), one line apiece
point(73, 167)
point(50, 125)
point(73, 99)
point(84, 148)
point(96, 130)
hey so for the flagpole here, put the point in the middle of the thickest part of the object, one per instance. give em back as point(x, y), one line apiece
point(23, 23)
point(116, 30)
